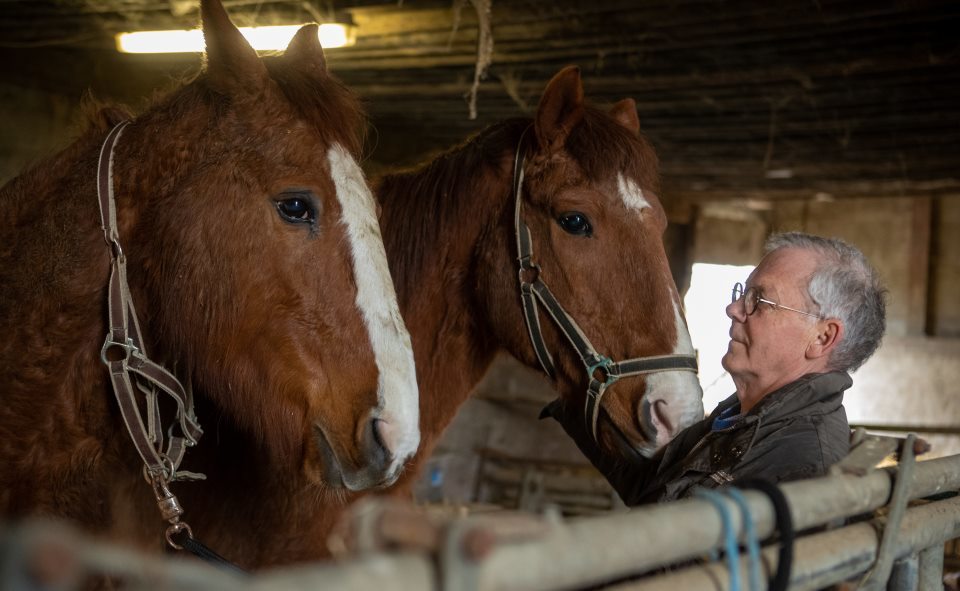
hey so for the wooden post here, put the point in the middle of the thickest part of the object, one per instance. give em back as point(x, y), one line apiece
point(919, 267)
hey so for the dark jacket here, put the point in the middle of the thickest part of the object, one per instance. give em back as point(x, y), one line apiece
point(795, 432)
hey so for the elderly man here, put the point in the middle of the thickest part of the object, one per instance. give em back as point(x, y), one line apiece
point(811, 311)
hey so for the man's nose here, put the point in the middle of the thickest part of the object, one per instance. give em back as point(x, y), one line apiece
point(736, 311)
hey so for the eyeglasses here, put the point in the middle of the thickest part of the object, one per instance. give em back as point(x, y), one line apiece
point(753, 296)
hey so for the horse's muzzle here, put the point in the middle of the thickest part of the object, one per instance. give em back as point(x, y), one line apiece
point(373, 465)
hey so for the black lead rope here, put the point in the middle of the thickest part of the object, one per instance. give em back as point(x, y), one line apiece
point(201, 551)
point(780, 581)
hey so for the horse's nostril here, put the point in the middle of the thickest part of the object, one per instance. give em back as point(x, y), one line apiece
point(663, 417)
point(380, 428)
point(655, 418)
point(379, 442)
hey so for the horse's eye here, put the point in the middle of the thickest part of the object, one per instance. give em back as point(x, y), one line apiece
point(296, 210)
point(574, 222)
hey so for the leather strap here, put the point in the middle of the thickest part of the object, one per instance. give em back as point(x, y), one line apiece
point(524, 255)
point(125, 356)
point(601, 370)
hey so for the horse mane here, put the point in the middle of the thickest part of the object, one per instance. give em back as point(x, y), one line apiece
point(441, 193)
point(100, 116)
point(432, 200)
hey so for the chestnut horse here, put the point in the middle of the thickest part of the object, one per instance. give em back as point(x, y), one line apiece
point(588, 196)
point(573, 195)
point(255, 263)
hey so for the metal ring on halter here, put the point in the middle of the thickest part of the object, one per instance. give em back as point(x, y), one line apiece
point(174, 530)
point(168, 471)
point(128, 347)
point(529, 267)
point(604, 363)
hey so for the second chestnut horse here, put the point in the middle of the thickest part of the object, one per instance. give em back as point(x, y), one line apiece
point(585, 182)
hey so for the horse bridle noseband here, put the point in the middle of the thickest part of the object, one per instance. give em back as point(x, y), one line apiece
point(160, 467)
point(602, 371)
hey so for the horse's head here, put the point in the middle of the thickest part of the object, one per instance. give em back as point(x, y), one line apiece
point(588, 195)
point(253, 236)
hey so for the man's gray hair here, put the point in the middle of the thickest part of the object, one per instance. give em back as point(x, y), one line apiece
point(845, 286)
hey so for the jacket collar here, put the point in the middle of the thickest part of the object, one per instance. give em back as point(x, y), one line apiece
point(815, 392)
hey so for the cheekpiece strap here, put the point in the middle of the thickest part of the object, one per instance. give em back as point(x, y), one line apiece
point(601, 370)
point(124, 354)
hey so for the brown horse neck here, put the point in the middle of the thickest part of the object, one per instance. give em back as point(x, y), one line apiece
point(435, 220)
point(64, 445)
point(56, 422)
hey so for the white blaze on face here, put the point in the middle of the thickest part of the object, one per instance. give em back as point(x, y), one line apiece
point(680, 390)
point(397, 387)
point(631, 193)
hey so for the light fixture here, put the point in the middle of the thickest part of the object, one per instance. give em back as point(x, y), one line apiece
point(261, 38)
point(779, 173)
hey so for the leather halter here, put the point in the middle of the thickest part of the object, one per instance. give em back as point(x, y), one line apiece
point(601, 370)
point(124, 355)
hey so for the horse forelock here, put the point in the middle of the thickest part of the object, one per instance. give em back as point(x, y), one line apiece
point(603, 148)
point(324, 102)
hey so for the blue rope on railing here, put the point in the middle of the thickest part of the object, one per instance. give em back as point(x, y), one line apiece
point(718, 498)
point(729, 534)
point(750, 534)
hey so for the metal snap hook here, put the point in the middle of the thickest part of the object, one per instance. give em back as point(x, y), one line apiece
point(175, 529)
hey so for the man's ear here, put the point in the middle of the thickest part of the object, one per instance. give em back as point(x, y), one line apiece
point(828, 335)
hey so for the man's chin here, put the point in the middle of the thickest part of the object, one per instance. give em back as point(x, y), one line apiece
point(728, 361)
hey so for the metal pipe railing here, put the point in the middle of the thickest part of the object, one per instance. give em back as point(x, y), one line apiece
point(377, 572)
point(582, 552)
point(49, 555)
point(589, 551)
point(827, 558)
point(931, 569)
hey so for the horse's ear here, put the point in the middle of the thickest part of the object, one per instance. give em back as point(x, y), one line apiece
point(561, 108)
point(305, 50)
point(232, 65)
point(625, 112)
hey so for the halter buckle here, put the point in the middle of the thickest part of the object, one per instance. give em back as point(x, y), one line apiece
point(115, 248)
point(163, 473)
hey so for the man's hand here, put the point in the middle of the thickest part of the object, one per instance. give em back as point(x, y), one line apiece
point(627, 478)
